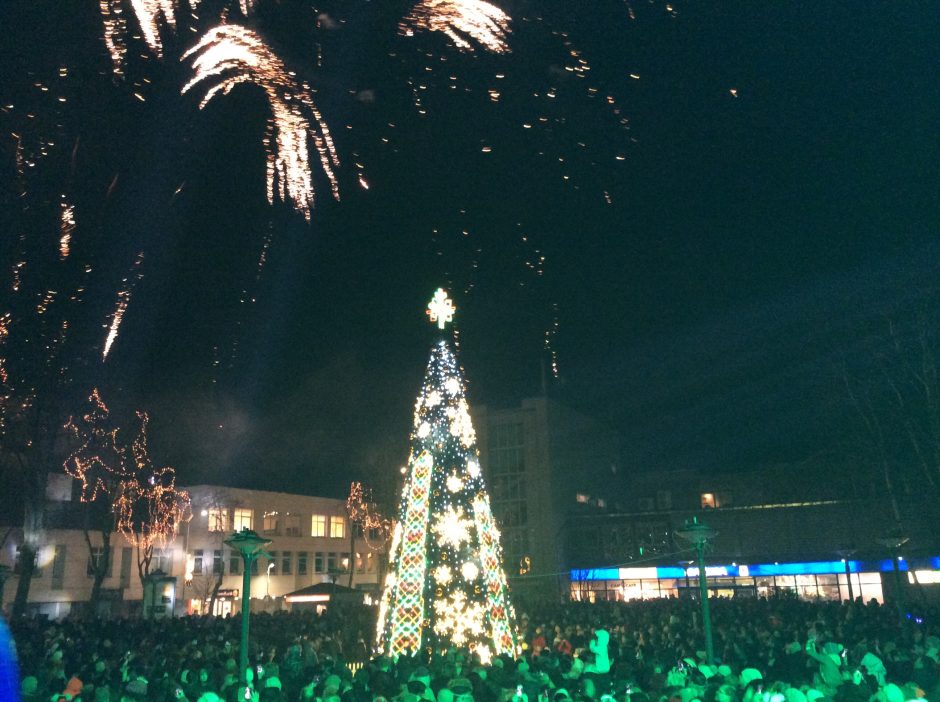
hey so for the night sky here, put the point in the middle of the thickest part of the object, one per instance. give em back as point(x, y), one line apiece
point(728, 199)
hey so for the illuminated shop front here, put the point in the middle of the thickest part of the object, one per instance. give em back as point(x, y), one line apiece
point(825, 580)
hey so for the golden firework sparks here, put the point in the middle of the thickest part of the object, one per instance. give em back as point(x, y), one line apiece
point(123, 300)
point(152, 15)
point(66, 228)
point(463, 21)
point(235, 54)
point(115, 32)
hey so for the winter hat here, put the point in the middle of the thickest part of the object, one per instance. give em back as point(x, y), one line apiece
point(73, 688)
point(893, 693)
point(724, 670)
point(749, 674)
point(460, 686)
point(29, 685)
point(273, 681)
point(813, 694)
point(562, 694)
point(136, 690)
point(709, 671)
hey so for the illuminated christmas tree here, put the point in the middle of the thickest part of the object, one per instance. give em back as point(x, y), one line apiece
point(447, 586)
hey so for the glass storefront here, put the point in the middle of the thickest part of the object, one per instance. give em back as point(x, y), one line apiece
point(805, 580)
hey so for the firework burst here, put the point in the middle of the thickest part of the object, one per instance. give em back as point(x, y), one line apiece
point(234, 54)
point(463, 21)
point(152, 15)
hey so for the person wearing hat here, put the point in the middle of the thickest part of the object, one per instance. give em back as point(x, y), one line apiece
point(135, 691)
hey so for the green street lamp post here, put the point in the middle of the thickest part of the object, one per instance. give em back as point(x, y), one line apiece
point(699, 535)
point(846, 554)
point(894, 542)
point(250, 546)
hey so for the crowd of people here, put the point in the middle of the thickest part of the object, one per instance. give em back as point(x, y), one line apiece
point(777, 650)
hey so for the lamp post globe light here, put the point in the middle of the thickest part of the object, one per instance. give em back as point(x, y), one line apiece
point(250, 546)
point(699, 534)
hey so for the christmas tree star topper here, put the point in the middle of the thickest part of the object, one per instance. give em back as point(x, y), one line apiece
point(441, 309)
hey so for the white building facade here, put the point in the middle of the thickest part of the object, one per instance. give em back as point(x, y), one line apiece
point(311, 542)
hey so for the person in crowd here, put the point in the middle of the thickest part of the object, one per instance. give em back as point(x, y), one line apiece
point(769, 650)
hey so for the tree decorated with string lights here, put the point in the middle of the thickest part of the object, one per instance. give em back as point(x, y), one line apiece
point(364, 517)
point(150, 508)
point(447, 587)
point(122, 489)
point(101, 464)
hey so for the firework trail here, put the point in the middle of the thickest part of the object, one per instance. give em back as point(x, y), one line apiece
point(66, 228)
point(123, 300)
point(115, 33)
point(234, 55)
point(152, 15)
point(464, 21)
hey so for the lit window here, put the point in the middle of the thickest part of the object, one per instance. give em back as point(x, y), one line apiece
point(218, 519)
point(709, 501)
point(337, 527)
point(243, 519)
point(318, 525)
point(286, 559)
point(582, 498)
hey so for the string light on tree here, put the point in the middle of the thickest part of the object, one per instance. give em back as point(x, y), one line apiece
point(449, 587)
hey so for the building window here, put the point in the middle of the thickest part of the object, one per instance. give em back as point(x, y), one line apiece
point(331, 562)
point(254, 566)
point(218, 565)
point(709, 501)
point(292, 524)
point(234, 563)
point(318, 562)
point(94, 558)
point(344, 562)
point(243, 519)
point(286, 557)
point(337, 527)
point(270, 523)
point(302, 563)
point(218, 520)
point(197, 561)
point(318, 525)
point(162, 560)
